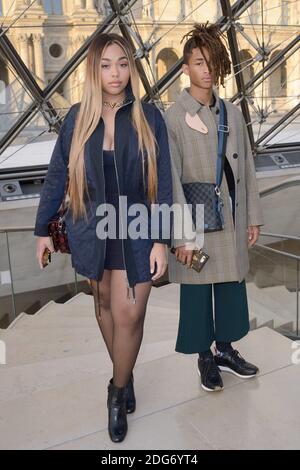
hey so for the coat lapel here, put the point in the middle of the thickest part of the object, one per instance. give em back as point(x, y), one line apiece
point(121, 141)
point(196, 123)
point(93, 149)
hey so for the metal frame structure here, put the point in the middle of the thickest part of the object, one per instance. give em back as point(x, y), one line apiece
point(122, 17)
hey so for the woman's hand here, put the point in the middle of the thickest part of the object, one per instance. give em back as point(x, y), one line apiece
point(42, 244)
point(159, 255)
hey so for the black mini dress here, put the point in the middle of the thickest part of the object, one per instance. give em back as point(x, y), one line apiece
point(114, 253)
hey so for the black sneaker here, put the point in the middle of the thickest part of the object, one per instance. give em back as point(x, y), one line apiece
point(211, 380)
point(233, 362)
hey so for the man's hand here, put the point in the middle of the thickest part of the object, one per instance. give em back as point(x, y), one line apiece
point(158, 255)
point(184, 256)
point(253, 234)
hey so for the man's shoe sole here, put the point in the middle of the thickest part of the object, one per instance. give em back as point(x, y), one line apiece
point(231, 371)
point(218, 389)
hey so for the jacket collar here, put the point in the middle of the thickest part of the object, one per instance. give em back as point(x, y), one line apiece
point(191, 105)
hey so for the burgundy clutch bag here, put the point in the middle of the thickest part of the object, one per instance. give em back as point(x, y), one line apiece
point(57, 228)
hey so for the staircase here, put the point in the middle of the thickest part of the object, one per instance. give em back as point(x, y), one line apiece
point(53, 386)
point(274, 307)
point(69, 329)
point(269, 307)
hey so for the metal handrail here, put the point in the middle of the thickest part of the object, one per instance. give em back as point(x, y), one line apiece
point(278, 187)
point(285, 254)
point(279, 252)
point(279, 235)
point(16, 229)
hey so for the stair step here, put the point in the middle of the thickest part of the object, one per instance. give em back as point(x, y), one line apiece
point(16, 321)
point(58, 315)
point(81, 299)
point(263, 313)
point(46, 307)
point(39, 344)
point(253, 323)
point(286, 328)
point(269, 324)
point(24, 379)
point(154, 299)
point(23, 315)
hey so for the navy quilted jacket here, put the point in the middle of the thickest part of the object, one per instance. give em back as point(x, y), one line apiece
point(87, 250)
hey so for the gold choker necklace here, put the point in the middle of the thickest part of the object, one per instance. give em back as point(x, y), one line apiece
point(114, 105)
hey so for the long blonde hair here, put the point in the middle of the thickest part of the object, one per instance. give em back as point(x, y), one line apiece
point(88, 116)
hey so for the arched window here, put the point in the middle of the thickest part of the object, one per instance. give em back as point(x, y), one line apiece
point(164, 61)
point(285, 12)
point(255, 11)
point(278, 79)
point(53, 7)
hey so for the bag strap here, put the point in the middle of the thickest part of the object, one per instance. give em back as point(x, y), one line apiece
point(223, 131)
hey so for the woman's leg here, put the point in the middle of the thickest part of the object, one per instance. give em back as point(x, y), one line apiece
point(128, 325)
point(101, 289)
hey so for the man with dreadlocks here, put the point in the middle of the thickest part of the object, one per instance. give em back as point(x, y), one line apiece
point(192, 123)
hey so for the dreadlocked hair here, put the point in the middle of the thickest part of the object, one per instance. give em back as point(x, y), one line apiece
point(209, 36)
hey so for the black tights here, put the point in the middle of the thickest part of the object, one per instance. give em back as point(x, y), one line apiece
point(121, 321)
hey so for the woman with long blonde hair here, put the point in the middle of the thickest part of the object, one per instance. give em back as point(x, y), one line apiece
point(111, 144)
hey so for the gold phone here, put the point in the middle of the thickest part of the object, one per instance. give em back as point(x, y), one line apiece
point(46, 258)
point(198, 260)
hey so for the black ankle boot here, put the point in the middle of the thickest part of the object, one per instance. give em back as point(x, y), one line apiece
point(130, 396)
point(117, 417)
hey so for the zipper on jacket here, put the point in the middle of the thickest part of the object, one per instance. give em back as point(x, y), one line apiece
point(98, 296)
point(104, 190)
point(120, 212)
